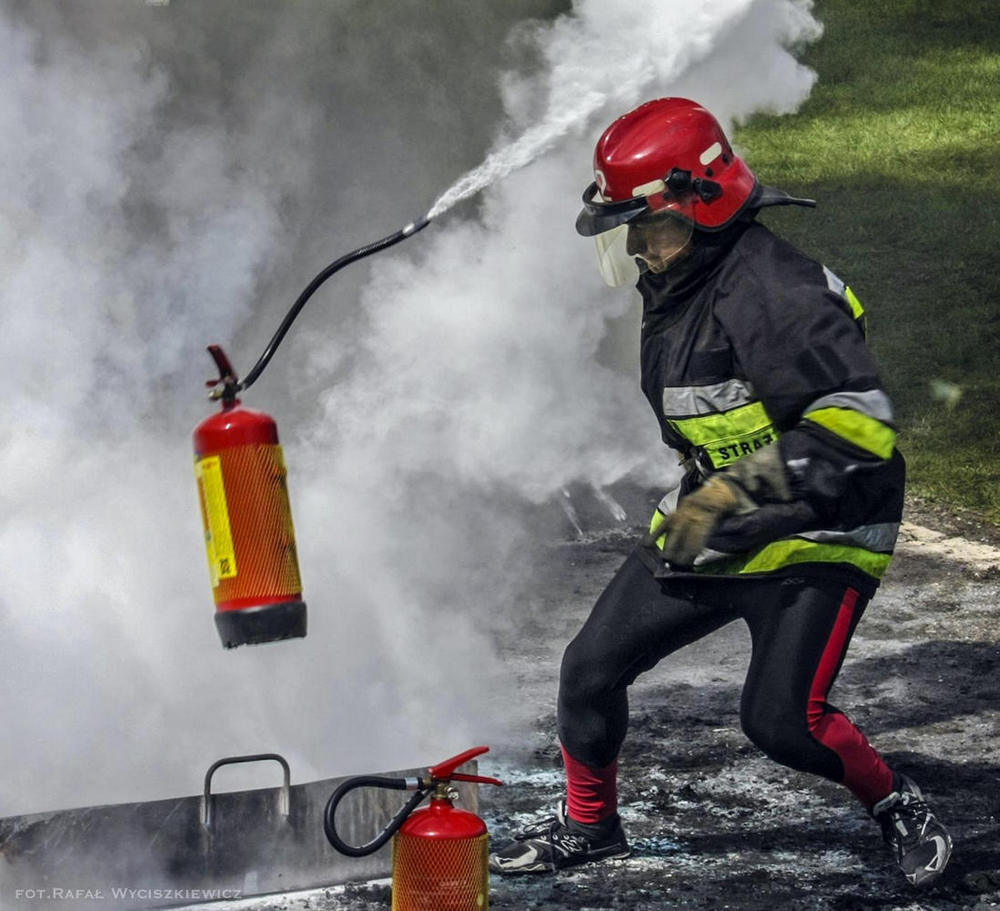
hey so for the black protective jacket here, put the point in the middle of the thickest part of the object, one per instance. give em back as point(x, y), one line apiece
point(753, 355)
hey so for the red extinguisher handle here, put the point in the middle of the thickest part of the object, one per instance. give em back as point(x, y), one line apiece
point(230, 382)
point(444, 771)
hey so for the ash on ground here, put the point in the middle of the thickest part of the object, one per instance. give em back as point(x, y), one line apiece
point(714, 823)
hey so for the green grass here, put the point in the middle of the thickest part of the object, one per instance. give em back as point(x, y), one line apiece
point(900, 144)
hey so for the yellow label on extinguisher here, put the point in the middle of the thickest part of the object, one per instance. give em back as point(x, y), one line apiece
point(218, 535)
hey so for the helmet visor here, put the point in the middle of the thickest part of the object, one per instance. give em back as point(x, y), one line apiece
point(598, 215)
point(674, 193)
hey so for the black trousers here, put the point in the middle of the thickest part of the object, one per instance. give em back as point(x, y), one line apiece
point(800, 629)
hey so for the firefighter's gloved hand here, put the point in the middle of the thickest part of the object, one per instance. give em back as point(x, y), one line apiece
point(689, 527)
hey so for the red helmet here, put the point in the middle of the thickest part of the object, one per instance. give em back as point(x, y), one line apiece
point(668, 155)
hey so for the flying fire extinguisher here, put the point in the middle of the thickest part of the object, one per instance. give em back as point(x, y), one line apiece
point(246, 516)
point(439, 853)
point(247, 521)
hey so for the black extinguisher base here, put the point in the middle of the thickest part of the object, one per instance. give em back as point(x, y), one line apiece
point(267, 623)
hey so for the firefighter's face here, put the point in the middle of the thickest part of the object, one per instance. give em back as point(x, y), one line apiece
point(659, 240)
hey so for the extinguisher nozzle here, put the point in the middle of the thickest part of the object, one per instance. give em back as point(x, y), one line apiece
point(415, 226)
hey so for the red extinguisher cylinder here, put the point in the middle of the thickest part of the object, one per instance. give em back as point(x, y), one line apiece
point(440, 860)
point(247, 520)
point(440, 854)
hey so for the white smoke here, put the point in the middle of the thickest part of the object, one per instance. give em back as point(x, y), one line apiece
point(140, 220)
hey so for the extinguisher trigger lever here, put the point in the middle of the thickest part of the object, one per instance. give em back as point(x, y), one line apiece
point(228, 379)
point(476, 779)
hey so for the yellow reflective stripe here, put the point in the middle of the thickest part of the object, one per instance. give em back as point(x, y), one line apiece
point(788, 551)
point(852, 299)
point(728, 436)
point(856, 428)
point(710, 428)
point(658, 516)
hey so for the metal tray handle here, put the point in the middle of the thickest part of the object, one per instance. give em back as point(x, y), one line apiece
point(283, 799)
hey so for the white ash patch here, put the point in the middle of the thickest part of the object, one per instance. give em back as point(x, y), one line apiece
point(924, 542)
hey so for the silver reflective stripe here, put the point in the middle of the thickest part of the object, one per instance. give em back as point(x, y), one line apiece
point(874, 403)
point(688, 401)
point(668, 503)
point(879, 538)
point(707, 555)
point(835, 284)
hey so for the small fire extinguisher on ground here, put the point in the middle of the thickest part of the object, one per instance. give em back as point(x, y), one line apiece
point(247, 521)
point(439, 852)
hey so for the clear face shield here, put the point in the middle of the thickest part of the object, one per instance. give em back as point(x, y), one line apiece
point(651, 231)
point(648, 243)
point(617, 268)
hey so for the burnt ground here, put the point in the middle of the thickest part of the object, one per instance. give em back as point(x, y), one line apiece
point(715, 824)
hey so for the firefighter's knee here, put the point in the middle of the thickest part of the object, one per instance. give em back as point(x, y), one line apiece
point(583, 676)
point(776, 734)
point(785, 736)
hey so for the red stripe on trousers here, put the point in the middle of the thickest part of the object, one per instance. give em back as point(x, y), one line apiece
point(865, 772)
point(591, 794)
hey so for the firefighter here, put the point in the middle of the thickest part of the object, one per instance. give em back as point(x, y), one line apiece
point(754, 361)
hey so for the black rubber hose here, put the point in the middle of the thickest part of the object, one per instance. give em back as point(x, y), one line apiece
point(368, 781)
point(310, 289)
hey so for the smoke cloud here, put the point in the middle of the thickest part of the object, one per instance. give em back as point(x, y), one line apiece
point(173, 176)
